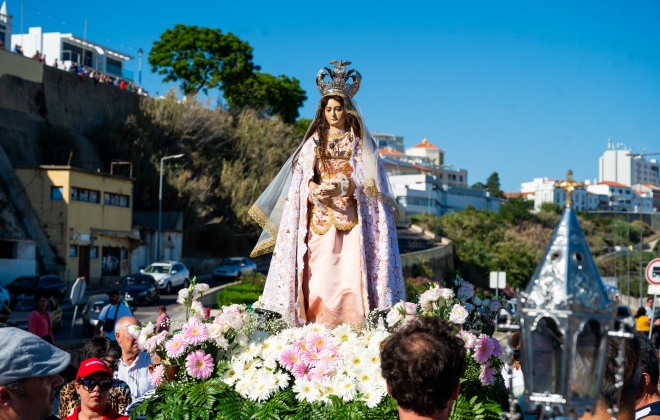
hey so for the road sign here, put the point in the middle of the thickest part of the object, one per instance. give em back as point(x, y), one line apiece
point(497, 279)
point(653, 271)
point(78, 291)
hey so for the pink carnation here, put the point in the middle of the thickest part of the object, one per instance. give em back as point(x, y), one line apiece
point(199, 364)
point(484, 349)
point(155, 341)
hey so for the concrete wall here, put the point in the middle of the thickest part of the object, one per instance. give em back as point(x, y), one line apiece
point(439, 259)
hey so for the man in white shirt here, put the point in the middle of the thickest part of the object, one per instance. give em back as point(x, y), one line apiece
point(133, 367)
point(110, 313)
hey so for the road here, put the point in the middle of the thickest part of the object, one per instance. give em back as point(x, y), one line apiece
point(144, 313)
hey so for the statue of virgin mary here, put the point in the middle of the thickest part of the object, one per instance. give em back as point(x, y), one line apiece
point(328, 217)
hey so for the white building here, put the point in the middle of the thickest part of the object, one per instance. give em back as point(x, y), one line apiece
point(621, 198)
point(422, 183)
point(388, 141)
point(543, 190)
point(620, 165)
point(68, 49)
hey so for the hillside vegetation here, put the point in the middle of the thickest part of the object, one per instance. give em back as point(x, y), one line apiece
point(515, 239)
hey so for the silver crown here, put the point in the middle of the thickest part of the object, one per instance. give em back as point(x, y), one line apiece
point(339, 83)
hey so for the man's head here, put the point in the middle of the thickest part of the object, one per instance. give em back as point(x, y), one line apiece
point(113, 295)
point(648, 360)
point(93, 384)
point(29, 374)
point(162, 309)
point(422, 364)
point(128, 343)
point(105, 349)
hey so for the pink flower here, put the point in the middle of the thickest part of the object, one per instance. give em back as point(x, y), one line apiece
point(195, 333)
point(300, 370)
point(311, 357)
point(300, 344)
point(319, 373)
point(330, 355)
point(157, 376)
point(468, 338)
point(487, 375)
point(155, 341)
point(175, 347)
point(289, 357)
point(484, 349)
point(199, 364)
point(497, 349)
point(317, 341)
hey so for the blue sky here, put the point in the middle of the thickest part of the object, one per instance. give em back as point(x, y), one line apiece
point(527, 89)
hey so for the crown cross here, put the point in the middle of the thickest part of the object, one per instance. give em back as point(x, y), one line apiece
point(339, 83)
point(569, 186)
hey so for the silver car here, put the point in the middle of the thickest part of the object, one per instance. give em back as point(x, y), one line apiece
point(234, 267)
point(168, 275)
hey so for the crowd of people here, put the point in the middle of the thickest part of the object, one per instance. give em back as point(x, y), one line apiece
point(85, 71)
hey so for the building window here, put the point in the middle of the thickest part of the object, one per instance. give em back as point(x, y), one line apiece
point(94, 252)
point(73, 251)
point(87, 196)
point(117, 200)
point(56, 193)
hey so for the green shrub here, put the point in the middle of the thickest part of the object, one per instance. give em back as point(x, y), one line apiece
point(247, 291)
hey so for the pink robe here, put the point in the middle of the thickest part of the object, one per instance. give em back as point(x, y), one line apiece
point(372, 248)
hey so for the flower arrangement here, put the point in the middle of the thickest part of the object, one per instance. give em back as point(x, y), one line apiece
point(235, 365)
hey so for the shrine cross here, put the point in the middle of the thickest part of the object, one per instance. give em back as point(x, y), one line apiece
point(569, 186)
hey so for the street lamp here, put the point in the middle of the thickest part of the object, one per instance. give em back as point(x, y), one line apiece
point(160, 202)
point(140, 66)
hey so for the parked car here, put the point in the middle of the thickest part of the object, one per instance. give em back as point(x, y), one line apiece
point(168, 274)
point(5, 300)
point(25, 286)
point(139, 288)
point(19, 315)
point(234, 267)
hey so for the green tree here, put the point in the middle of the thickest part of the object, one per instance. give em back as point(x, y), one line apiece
point(551, 207)
point(516, 210)
point(269, 95)
point(493, 185)
point(478, 186)
point(201, 58)
point(302, 125)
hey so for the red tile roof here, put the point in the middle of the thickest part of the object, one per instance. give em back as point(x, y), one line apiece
point(426, 145)
point(612, 184)
point(389, 151)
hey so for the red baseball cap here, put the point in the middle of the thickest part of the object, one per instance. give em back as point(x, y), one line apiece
point(91, 366)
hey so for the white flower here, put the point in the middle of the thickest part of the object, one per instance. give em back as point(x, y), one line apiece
point(133, 330)
point(282, 379)
point(201, 288)
point(395, 316)
point(346, 388)
point(184, 296)
point(458, 314)
point(446, 293)
point(371, 393)
point(197, 310)
point(265, 385)
point(372, 357)
point(343, 333)
point(234, 319)
point(376, 338)
point(315, 328)
point(230, 376)
point(469, 339)
point(306, 391)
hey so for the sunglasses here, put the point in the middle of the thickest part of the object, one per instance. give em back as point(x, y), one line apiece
point(90, 384)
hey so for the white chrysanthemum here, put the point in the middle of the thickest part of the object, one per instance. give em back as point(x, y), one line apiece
point(264, 387)
point(272, 347)
point(244, 386)
point(306, 391)
point(343, 334)
point(372, 394)
point(353, 361)
point(346, 388)
point(315, 328)
point(365, 374)
point(376, 338)
point(249, 353)
point(372, 358)
point(282, 379)
point(230, 376)
point(291, 334)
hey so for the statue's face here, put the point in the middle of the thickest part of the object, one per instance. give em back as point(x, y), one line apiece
point(335, 114)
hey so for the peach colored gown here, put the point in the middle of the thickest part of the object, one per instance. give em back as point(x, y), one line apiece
point(332, 280)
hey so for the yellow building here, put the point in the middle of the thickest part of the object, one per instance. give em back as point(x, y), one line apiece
point(87, 217)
